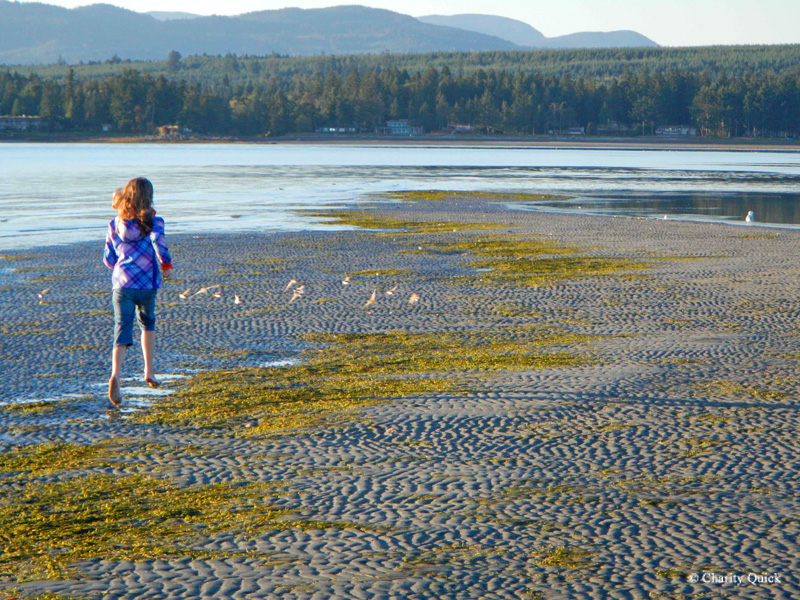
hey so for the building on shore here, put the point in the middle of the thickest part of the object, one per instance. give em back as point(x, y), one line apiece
point(398, 127)
point(460, 129)
point(676, 131)
point(612, 128)
point(22, 123)
point(337, 130)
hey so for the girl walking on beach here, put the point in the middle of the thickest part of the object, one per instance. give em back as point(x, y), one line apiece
point(137, 252)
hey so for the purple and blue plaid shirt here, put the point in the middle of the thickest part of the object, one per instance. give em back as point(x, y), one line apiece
point(137, 261)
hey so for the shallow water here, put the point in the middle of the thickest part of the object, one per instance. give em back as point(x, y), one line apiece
point(60, 193)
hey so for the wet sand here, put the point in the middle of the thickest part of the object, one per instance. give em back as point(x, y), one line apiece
point(673, 453)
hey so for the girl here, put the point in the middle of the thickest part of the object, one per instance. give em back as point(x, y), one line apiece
point(137, 252)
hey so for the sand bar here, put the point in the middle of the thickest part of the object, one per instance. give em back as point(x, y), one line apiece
point(669, 452)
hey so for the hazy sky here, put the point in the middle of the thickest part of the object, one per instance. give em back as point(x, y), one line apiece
point(667, 22)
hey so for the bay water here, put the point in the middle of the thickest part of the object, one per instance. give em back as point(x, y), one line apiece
point(61, 193)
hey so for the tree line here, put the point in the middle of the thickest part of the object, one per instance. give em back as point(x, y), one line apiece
point(604, 63)
point(491, 100)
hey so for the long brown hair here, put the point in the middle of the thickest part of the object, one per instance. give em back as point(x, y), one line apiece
point(137, 203)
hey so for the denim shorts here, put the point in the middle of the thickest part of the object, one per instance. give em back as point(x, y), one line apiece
point(128, 301)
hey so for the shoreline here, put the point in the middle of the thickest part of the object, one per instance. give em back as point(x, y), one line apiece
point(638, 143)
point(755, 225)
point(574, 480)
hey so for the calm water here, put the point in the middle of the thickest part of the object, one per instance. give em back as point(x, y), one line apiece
point(60, 193)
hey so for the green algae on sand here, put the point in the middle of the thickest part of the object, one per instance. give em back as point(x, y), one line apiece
point(345, 371)
point(523, 260)
point(48, 526)
point(59, 505)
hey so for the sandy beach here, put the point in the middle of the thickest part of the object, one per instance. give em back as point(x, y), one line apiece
point(654, 456)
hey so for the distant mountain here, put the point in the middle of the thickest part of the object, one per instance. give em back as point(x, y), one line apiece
point(524, 35)
point(34, 33)
point(597, 39)
point(168, 16)
point(512, 30)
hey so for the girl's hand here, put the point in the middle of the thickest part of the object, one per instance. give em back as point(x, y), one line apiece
point(166, 273)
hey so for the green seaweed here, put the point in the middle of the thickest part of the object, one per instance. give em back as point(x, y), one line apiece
point(527, 261)
point(345, 371)
point(565, 558)
point(48, 458)
point(40, 407)
point(17, 256)
point(439, 195)
point(382, 273)
point(389, 226)
point(46, 527)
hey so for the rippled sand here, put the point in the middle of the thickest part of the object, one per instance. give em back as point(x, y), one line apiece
point(673, 452)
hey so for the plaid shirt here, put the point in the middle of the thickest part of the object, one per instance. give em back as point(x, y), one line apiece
point(135, 259)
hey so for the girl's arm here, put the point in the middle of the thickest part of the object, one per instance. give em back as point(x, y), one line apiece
point(160, 245)
point(110, 253)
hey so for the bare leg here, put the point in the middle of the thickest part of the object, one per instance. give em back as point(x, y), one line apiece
point(149, 351)
point(117, 358)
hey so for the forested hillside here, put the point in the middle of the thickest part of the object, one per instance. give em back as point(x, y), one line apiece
point(752, 91)
point(596, 63)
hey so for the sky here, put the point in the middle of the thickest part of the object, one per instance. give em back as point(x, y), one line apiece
point(666, 22)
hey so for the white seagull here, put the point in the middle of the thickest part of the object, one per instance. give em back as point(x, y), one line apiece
point(236, 299)
point(298, 293)
point(185, 294)
point(290, 284)
point(205, 290)
point(750, 217)
point(372, 299)
point(393, 290)
point(413, 299)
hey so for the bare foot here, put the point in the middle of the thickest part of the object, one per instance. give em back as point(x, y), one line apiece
point(113, 392)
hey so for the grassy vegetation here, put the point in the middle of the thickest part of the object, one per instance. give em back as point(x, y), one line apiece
point(42, 459)
point(527, 261)
point(389, 226)
point(766, 391)
point(506, 259)
point(43, 406)
point(48, 526)
point(345, 371)
point(382, 273)
point(16, 256)
point(439, 195)
point(6, 331)
point(566, 558)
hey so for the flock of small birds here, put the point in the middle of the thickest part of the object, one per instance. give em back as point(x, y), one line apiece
point(297, 289)
point(298, 292)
